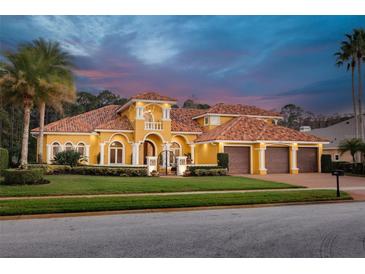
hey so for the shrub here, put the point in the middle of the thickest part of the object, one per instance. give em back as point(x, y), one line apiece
point(211, 172)
point(96, 170)
point(223, 160)
point(24, 177)
point(68, 157)
point(4, 159)
point(326, 163)
point(346, 166)
point(193, 168)
point(155, 173)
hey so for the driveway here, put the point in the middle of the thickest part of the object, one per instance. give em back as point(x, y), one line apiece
point(327, 230)
point(351, 184)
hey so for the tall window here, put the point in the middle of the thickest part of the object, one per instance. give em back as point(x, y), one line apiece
point(81, 149)
point(116, 153)
point(176, 149)
point(68, 147)
point(56, 147)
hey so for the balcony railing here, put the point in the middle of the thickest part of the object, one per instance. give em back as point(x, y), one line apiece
point(153, 125)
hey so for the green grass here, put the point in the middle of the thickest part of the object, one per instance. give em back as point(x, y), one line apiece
point(81, 184)
point(63, 205)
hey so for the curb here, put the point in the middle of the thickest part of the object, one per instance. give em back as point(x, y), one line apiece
point(164, 210)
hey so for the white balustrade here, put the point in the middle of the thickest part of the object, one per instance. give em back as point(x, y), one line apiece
point(153, 125)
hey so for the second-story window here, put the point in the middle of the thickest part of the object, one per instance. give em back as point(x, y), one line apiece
point(206, 120)
point(215, 120)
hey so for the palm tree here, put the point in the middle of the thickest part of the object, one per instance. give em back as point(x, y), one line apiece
point(358, 44)
point(346, 56)
point(55, 81)
point(19, 85)
point(351, 145)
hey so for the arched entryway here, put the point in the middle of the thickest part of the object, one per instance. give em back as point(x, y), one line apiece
point(149, 149)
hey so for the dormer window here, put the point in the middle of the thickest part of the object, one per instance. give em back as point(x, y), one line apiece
point(206, 120)
point(215, 120)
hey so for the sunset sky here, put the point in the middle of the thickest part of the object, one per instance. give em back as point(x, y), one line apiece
point(267, 61)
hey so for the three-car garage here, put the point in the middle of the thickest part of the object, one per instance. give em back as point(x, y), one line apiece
point(277, 159)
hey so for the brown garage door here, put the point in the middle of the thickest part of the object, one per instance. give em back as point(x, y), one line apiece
point(277, 159)
point(239, 159)
point(307, 159)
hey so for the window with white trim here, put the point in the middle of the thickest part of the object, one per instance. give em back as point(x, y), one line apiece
point(176, 149)
point(215, 120)
point(336, 157)
point(116, 153)
point(56, 148)
point(68, 146)
point(81, 149)
point(206, 120)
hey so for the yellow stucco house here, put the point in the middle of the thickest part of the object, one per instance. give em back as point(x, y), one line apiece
point(147, 125)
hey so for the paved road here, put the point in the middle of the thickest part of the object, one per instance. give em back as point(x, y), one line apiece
point(327, 230)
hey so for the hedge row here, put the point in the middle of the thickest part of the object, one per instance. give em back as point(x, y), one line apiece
point(211, 172)
point(192, 169)
point(93, 170)
point(24, 177)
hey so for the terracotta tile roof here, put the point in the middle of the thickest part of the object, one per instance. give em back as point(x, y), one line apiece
point(117, 123)
point(181, 119)
point(252, 129)
point(152, 96)
point(239, 109)
point(88, 121)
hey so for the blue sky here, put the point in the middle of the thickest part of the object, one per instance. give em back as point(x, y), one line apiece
point(267, 61)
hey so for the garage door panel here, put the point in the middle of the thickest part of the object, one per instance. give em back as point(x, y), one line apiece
point(307, 159)
point(277, 159)
point(239, 159)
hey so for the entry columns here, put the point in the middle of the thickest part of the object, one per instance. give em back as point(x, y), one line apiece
point(135, 153)
point(101, 162)
point(192, 152)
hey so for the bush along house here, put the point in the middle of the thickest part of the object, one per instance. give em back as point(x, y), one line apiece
point(147, 131)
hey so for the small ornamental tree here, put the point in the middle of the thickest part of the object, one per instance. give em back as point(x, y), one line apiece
point(223, 160)
point(68, 157)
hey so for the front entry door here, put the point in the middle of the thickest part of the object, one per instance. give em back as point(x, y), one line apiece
point(148, 150)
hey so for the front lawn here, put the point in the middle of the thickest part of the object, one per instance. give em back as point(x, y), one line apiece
point(82, 184)
point(63, 205)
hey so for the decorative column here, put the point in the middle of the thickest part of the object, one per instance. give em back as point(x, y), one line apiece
point(101, 154)
point(262, 168)
point(192, 152)
point(87, 153)
point(294, 160)
point(135, 153)
point(48, 153)
point(166, 146)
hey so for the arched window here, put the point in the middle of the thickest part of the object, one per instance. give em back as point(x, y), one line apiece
point(81, 149)
point(116, 153)
point(56, 147)
point(176, 149)
point(68, 146)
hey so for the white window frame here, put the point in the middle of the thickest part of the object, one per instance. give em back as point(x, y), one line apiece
point(206, 120)
point(334, 157)
point(54, 144)
point(215, 120)
point(116, 154)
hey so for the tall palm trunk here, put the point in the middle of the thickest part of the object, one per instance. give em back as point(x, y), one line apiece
point(26, 120)
point(42, 112)
point(354, 101)
point(360, 99)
